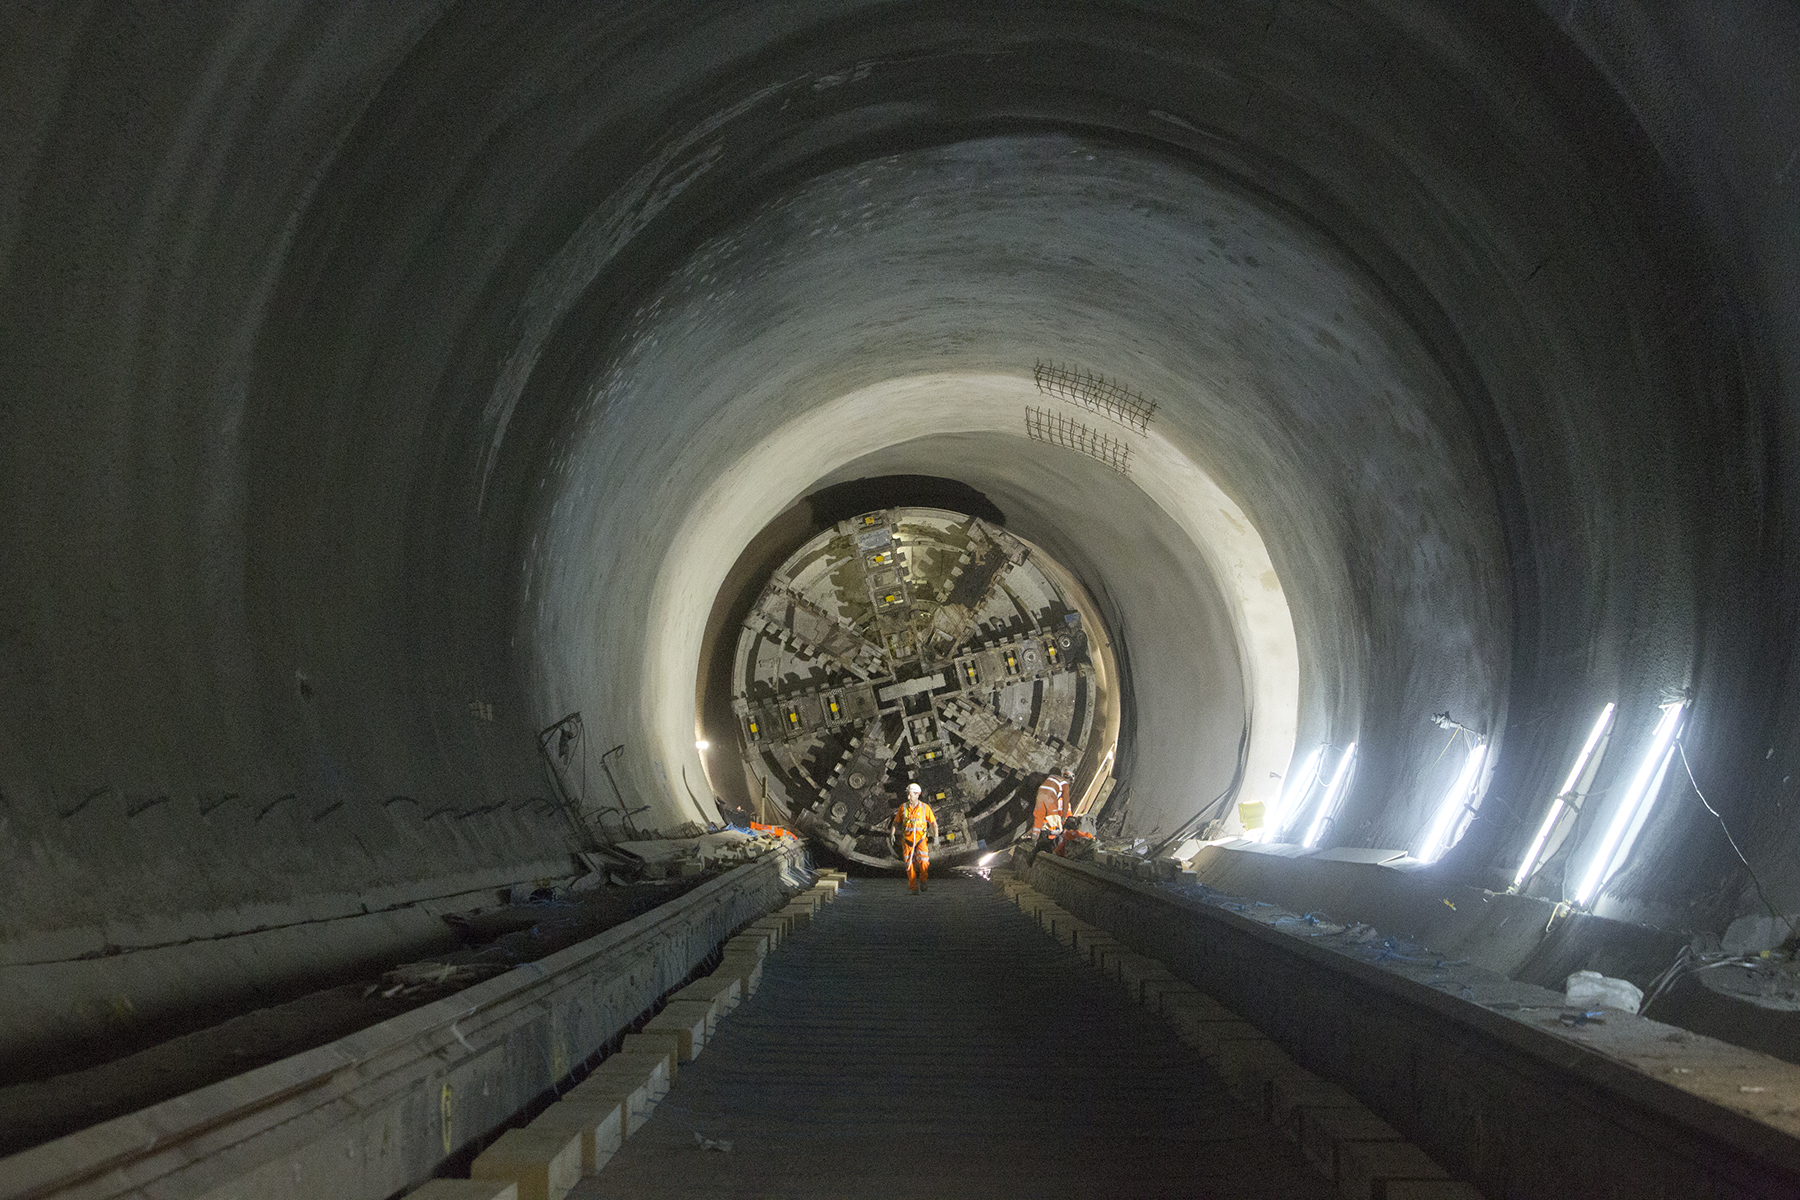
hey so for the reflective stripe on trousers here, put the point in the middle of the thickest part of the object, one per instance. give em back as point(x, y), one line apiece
point(916, 854)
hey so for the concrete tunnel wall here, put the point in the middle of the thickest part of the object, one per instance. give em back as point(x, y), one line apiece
point(366, 371)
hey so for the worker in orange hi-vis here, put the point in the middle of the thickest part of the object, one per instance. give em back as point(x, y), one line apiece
point(1052, 807)
point(911, 821)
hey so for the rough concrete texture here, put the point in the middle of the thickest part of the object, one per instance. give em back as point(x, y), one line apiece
point(383, 383)
point(373, 1113)
point(1481, 1072)
point(465, 1189)
point(544, 1163)
point(601, 1124)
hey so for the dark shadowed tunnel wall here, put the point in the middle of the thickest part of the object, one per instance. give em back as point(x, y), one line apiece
point(384, 382)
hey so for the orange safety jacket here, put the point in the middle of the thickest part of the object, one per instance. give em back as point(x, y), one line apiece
point(913, 817)
point(1052, 806)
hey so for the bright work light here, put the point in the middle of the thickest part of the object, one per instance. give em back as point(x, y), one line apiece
point(1634, 806)
point(1561, 801)
point(1288, 805)
point(1331, 793)
point(1440, 835)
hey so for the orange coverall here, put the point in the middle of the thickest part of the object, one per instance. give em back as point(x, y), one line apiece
point(1052, 807)
point(913, 818)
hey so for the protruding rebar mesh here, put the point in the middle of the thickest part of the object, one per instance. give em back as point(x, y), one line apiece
point(1046, 426)
point(1095, 392)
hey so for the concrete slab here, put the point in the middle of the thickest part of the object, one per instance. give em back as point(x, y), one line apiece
point(634, 1094)
point(1324, 1132)
point(600, 1124)
point(747, 967)
point(1428, 1189)
point(663, 1042)
point(1193, 1005)
point(756, 943)
point(1253, 1073)
point(1154, 991)
point(1207, 1036)
point(686, 1007)
point(1108, 958)
point(1136, 970)
point(544, 1163)
point(1366, 1170)
point(688, 1021)
point(1293, 1092)
point(1086, 938)
point(465, 1189)
point(722, 991)
point(654, 1068)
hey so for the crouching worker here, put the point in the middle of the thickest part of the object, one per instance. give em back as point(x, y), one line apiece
point(911, 821)
point(1051, 812)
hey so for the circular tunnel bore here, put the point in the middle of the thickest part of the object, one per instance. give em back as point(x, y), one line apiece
point(387, 382)
point(918, 645)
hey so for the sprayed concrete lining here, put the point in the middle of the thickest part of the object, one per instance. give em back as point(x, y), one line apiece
point(374, 374)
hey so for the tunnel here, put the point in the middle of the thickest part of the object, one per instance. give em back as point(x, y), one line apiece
point(410, 408)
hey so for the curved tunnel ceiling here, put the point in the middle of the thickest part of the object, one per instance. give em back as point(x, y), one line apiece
point(389, 384)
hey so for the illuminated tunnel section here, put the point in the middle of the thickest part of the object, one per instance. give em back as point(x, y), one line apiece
point(920, 646)
point(386, 384)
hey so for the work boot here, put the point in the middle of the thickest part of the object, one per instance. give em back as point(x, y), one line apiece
point(921, 883)
point(912, 887)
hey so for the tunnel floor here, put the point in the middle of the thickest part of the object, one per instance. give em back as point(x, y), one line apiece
point(942, 1045)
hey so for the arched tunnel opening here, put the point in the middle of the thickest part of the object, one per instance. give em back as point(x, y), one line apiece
point(915, 646)
point(436, 437)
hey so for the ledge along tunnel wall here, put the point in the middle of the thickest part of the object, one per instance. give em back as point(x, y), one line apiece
point(383, 383)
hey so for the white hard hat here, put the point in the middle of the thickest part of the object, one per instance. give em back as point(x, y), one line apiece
point(912, 788)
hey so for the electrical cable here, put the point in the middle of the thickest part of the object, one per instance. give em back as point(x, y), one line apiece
point(1757, 882)
point(1198, 819)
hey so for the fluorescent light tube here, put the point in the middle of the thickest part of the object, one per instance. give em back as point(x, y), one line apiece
point(1610, 853)
point(1295, 796)
point(1561, 801)
point(1439, 833)
point(1330, 800)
